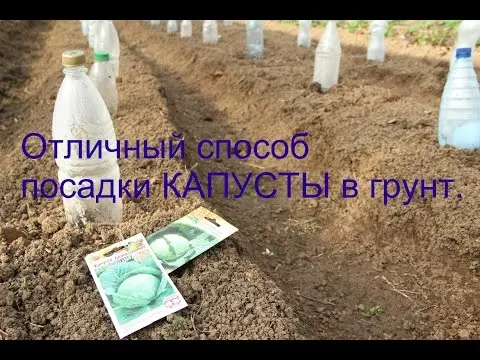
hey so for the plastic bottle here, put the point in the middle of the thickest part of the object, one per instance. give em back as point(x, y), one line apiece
point(81, 114)
point(376, 48)
point(107, 40)
point(210, 32)
point(172, 26)
point(92, 32)
point(186, 29)
point(304, 37)
point(459, 117)
point(327, 58)
point(255, 39)
point(84, 27)
point(228, 22)
point(154, 23)
point(467, 36)
point(103, 78)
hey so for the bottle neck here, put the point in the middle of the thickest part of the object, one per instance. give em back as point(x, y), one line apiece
point(464, 58)
point(75, 72)
point(103, 65)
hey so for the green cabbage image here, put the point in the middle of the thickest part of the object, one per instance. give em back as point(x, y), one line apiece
point(134, 288)
point(180, 242)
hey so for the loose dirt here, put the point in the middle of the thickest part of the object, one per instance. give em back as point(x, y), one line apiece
point(347, 268)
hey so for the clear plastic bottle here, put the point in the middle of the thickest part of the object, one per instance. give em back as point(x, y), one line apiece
point(81, 114)
point(376, 47)
point(107, 40)
point(172, 26)
point(102, 76)
point(92, 32)
point(186, 29)
point(304, 37)
point(255, 39)
point(468, 35)
point(459, 117)
point(154, 23)
point(84, 27)
point(228, 22)
point(327, 58)
point(210, 32)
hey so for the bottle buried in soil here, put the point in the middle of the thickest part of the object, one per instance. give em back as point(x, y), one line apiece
point(102, 76)
point(468, 36)
point(459, 118)
point(92, 32)
point(81, 114)
point(227, 22)
point(107, 40)
point(172, 26)
point(327, 58)
point(376, 47)
point(210, 32)
point(255, 39)
point(84, 27)
point(186, 29)
point(304, 37)
point(154, 23)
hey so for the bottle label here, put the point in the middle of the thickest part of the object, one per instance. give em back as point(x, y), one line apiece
point(463, 53)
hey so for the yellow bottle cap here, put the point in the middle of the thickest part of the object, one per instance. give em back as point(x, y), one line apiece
point(73, 58)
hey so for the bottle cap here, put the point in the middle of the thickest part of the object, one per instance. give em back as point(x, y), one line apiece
point(463, 53)
point(73, 58)
point(101, 56)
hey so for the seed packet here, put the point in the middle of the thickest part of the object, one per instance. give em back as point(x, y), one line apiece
point(134, 286)
point(186, 238)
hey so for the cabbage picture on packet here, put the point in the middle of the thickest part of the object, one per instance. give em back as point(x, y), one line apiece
point(134, 286)
point(186, 238)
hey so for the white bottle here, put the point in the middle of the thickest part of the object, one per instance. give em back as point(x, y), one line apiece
point(327, 58)
point(103, 77)
point(228, 22)
point(107, 40)
point(376, 48)
point(467, 36)
point(81, 114)
point(172, 26)
point(304, 37)
point(92, 32)
point(459, 117)
point(84, 27)
point(154, 23)
point(210, 32)
point(186, 29)
point(255, 39)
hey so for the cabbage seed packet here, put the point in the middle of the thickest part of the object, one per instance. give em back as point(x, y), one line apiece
point(134, 286)
point(186, 238)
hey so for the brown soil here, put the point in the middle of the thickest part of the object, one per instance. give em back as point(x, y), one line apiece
point(348, 268)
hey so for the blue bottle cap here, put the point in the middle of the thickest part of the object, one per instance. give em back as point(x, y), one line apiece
point(463, 53)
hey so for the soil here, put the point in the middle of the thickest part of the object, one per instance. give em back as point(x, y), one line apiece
point(337, 268)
